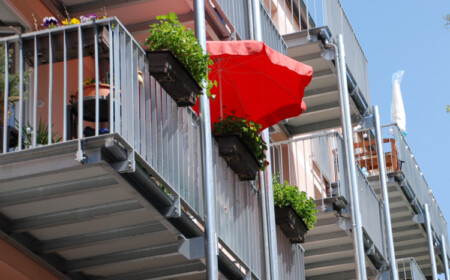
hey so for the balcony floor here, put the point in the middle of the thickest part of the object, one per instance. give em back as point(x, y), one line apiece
point(94, 220)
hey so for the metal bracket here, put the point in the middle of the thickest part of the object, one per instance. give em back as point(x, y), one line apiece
point(371, 250)
point(419, 219)
point(125, 159)
point(80, 156)
point(174, 211)
point(344, 223)
point(193, 248)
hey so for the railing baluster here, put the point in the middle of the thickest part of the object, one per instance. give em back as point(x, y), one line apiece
point(5, 101)
point(35, 91)
point(20, 128)
point(64, 87)
point(80, 83)
point(97, 81)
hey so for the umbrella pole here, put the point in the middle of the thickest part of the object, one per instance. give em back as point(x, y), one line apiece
point(212, 268)
point(269, 214)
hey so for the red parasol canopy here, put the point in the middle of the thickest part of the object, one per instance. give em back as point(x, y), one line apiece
point(256, 82)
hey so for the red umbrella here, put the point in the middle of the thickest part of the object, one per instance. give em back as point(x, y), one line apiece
point(256, 82)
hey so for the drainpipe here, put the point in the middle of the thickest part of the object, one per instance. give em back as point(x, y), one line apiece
point(384, 190)
point(444, 255)
point(350, 158)
point(212, 269)
point(430, 242)
point(270, 209)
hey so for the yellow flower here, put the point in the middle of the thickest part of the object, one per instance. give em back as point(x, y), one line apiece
point(74, 21)
point(65, 22)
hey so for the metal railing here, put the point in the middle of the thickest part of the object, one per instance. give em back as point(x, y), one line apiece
point(240, 15)
point(416, 180)
point(291, 258)
point(398, 158)
point(408, 269)
point(167, 137)
point(338, 23)
point(316, 164)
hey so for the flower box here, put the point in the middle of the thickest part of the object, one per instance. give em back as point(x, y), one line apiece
point(238, 157)
point(71, 44)
point(291, 224)
point(173, 77)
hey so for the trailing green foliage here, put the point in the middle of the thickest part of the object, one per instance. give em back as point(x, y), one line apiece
point(248, 131)
point(286, 195)
point(170, 34)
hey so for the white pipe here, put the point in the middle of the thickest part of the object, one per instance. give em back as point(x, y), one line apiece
point(384, 190)
point(348, 142)
point(208, 171)
point(430, 242)
point(444, 256)
point(270, 214)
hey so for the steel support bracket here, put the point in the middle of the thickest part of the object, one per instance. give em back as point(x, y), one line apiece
point(193, 248)
point(371, 250)
point(174, 211)
point(344, 223)
point(124, 159)
point(419, 219)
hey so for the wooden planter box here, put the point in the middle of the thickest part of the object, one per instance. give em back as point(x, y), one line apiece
point(238, 157)
point(71, 44)
point(291, 224)
point(173, 77)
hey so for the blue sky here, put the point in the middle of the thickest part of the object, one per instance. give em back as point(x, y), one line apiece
point(410, 35)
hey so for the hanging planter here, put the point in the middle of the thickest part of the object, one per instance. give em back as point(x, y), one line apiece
point(173, 77)
point(238, 157)
point(295, 213)
point(291, 224)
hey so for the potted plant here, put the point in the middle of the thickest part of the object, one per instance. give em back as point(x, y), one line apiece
point(295, 213)
point(89, 86)
point(41, 135)
point(241, 145)
point(71, 39)
point(176, 60)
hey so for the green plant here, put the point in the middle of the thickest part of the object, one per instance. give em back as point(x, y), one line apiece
point(248, 131)
point(170, 34)
point(41, 135)
point(285, 195)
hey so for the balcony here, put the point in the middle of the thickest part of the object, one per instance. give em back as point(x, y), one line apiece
point(408, 269)
point(316, 164)
point(305, 26)
point(104, 201)
point(408, 193)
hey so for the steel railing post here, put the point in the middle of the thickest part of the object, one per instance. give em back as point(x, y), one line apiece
point(208, 170)
point(430, 242)
point(384, 190)
point(444, 256)
point(350, 155)
point(268, 200)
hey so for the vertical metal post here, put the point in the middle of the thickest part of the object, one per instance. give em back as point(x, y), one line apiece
point(80, 83)
point(350, 155)
point(35, 95)
point(65, 88)
point(430, 242)
point(384, 190)
point(50, 88)
point(269, 215)
point(97, 81)
point(19, 142)
point(444, 256)
point(5, 100)
point(208, 170)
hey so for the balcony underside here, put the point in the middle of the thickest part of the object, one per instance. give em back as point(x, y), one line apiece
point(322, 94)
point(101, 218)
point(329, 252)
point(410, 238)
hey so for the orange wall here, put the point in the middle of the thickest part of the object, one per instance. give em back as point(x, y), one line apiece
point(14, 265)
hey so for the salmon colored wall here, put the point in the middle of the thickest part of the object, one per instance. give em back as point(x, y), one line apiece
point(27, 8)
point(14, 265)
point(58, 85)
